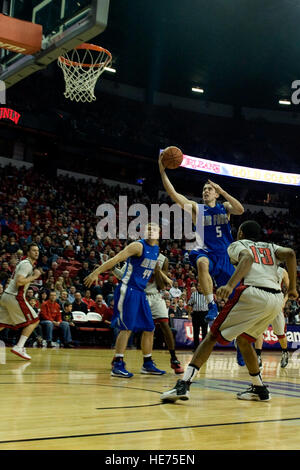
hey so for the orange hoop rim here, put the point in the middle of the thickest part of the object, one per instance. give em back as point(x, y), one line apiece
point(92, 47)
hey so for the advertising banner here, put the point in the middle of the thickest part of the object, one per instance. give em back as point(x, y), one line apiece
point(184, 336)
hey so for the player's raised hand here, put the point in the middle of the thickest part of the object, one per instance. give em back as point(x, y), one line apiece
point(224, 292)
point(90, 279)
point(169, 281)
point(216, 187)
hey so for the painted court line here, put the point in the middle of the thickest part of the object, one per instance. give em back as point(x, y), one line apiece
point(76, 436)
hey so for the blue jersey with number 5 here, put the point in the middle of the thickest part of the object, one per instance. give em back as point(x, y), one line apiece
point(217, 230)
point(139, 269)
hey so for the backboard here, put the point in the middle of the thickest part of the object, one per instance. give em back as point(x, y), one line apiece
point(66, 24)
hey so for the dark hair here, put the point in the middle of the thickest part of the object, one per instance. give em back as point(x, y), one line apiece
point(66, 304)
point(251, 230)
point(30, 246)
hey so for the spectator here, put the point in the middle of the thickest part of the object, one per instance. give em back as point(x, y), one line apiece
point(101, 307)
point(87, 299)
point(44, 265)
point(50, 316)
point(108, 288)
point(63, 299)
point(29, 294)
point(66, 280)
point(58, 287)
point(78, 304)
point(78, 286)
point(43, 296)
point(71, 296)
point(180, 312)
point(12, 246)
point(84, 271)
point(175, 292)
point(67, 313)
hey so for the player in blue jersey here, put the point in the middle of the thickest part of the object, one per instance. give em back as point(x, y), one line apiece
point(131, 309)
point(209, 258)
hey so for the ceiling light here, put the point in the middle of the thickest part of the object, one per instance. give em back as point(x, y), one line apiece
point(109, 69)
point(285, 102)
point(198, 90)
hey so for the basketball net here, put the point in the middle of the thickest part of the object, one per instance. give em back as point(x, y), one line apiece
point(82, 67)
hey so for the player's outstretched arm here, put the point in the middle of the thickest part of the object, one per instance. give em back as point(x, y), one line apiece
point(289, 257)
point(242, 269)
point(232, 205)
point(134, 249)
point(182, 201)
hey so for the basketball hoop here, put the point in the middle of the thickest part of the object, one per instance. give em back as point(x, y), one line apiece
point(82, 67)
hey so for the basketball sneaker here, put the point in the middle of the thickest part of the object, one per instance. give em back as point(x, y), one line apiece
point(149, 367)
point(212, 312)
point(118, 370)
point(175, 364)
point(284, 359)
point(255, 393)
point(21, 352)
point(179, 392)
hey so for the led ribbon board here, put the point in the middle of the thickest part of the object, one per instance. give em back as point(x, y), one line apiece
point(243, 172)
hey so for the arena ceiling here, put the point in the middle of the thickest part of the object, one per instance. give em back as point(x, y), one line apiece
point(241, 52)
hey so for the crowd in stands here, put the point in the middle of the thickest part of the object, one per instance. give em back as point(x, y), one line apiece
point(59, 215)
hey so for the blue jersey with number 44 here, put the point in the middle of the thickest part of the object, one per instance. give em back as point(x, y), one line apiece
point(139, 269)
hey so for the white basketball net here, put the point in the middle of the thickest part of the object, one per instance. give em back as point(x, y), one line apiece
point(81, 68)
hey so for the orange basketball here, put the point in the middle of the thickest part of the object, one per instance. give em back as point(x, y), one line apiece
point(172, 157)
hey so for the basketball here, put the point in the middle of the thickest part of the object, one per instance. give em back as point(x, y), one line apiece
point(172, 157)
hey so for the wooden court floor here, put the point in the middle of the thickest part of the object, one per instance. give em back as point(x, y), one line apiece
point(66, 399)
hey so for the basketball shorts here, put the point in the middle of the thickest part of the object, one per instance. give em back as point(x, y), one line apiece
point(248, 313)
point(15, 311)
point(220, 267)
point(279, 326)
point(158, 307)
point(131, 310)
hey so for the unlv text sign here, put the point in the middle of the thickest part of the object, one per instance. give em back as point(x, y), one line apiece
point(7, 113)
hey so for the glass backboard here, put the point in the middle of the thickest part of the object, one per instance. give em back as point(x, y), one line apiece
point(66, 24)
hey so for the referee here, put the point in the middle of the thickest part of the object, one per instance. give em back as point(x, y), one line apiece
point(199, 311)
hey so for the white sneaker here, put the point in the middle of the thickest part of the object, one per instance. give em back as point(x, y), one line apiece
point(21, 352)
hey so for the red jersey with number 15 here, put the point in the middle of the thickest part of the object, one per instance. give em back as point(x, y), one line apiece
point(264, 270)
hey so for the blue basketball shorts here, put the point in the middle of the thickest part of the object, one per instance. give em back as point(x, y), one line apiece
point(220, 267)
point(131, 310)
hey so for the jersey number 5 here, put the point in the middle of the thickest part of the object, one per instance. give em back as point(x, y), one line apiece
point(262, 255)
point(218, 231)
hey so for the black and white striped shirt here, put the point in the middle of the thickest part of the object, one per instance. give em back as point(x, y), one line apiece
point(198, 302)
